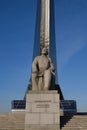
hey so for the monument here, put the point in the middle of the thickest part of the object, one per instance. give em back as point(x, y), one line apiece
point(45, 38)
point(45, 31)
point(43, 102)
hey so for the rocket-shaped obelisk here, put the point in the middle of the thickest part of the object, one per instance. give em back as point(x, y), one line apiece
point(45, 30)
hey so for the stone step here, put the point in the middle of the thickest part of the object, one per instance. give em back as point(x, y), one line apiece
point(12, 121)
point(74, 129)
point(75, 126)
point(80, 119)
point(77, 122)
point(72, 125)
point(12, 128)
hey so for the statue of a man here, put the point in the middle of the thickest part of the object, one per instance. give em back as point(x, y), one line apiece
point(42, 71)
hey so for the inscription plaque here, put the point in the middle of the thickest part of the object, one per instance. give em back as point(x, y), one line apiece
point(42, 104)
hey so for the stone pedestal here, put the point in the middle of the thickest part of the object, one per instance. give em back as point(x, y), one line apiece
point(42, 110)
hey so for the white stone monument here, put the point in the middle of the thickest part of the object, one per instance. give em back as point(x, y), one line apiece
point(43, 105)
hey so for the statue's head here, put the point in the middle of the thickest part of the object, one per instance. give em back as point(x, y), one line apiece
point(45, 51)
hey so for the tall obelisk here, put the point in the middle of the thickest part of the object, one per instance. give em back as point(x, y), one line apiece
point(43, 107)
point(45, 30)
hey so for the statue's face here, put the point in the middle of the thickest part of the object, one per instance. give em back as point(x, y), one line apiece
point(44, 51)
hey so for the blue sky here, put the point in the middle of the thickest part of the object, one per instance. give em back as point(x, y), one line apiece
point(17, 27)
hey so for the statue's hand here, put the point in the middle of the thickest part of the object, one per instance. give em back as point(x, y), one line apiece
point(52, 71)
